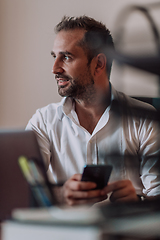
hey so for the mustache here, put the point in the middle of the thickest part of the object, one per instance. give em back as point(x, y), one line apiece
point(60, 75)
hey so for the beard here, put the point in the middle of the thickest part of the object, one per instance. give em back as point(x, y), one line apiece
point(81, 87)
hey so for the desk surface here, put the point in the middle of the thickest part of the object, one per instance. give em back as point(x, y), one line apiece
point(128, 221)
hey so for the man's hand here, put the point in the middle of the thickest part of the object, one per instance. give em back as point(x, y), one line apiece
point(121, 191)
point(76, 192)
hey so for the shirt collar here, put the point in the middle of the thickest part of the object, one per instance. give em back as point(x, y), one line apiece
point(65, 107)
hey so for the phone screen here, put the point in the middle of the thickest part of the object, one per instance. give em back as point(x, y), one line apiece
point(97, 173)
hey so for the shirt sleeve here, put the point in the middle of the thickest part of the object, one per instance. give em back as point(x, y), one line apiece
point(150, 157)
point(38, 125)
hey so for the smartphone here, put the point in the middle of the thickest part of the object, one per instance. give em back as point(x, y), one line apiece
point(97, 173)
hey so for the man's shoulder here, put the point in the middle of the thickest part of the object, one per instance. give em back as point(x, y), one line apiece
point(132, 108)
point(50, 107)
point(49, 112)
point(133, 102)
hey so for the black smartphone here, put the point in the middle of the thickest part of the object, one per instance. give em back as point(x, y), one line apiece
point(97, 173)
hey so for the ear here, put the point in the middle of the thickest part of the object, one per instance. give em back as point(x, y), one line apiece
point(100, 64)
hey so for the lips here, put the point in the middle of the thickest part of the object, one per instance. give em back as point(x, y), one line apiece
point(62, 81)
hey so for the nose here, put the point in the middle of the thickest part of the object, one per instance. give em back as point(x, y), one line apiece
point(57, 67)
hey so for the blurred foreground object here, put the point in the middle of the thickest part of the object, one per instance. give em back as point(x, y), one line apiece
point(148, 62)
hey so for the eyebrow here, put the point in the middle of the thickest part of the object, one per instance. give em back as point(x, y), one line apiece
point(62, 53)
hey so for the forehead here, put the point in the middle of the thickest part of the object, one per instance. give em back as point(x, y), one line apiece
point(67, 40)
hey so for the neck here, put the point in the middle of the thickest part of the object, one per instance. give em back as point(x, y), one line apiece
point(89, 111)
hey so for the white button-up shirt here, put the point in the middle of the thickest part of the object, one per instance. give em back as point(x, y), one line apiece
point(126, 142)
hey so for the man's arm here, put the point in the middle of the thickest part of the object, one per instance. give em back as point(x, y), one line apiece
point(150, 160)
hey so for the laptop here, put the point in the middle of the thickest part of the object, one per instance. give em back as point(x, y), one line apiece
point(15, 189)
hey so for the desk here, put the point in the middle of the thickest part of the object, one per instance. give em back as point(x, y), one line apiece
point(130, 225)
point(53, 223)
point(147, 229)
point(22, 231)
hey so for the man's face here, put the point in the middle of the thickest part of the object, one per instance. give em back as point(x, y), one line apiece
point(73, 75)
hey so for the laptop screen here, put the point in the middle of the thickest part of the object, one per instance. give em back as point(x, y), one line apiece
point(15, 189)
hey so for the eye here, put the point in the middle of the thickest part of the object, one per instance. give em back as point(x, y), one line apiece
point(53, 54)
point(54, 58)
point(66, 57)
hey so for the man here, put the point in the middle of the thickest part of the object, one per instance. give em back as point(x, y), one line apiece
point(83, 128)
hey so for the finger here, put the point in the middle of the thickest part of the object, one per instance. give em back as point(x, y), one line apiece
point(77, 177)
point(118, 195)
point(126, 194)
point(79, 185)
point(114, 186)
